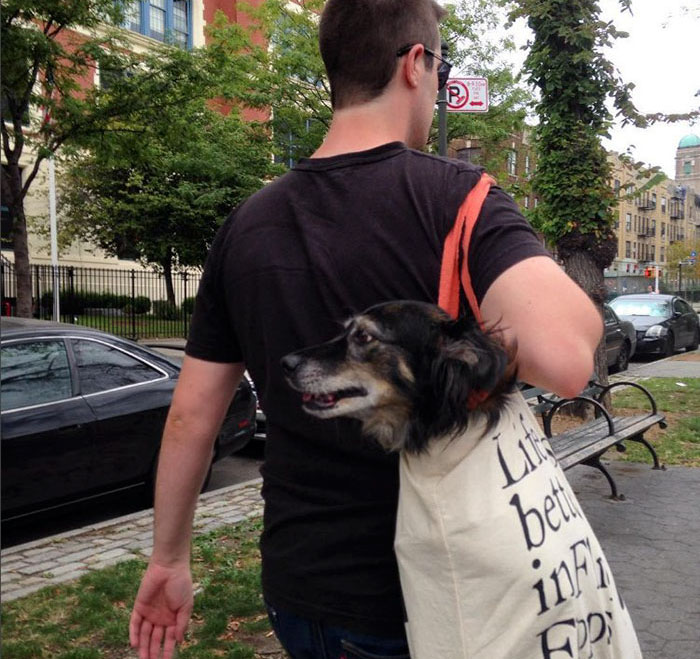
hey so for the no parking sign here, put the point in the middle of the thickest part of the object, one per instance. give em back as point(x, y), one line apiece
point(467, 95)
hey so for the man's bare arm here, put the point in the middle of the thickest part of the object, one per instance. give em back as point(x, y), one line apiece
point(203, 394)
point(164, 602)
point(555, 325)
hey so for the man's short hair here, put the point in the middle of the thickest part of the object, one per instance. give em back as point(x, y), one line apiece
point(359, 40)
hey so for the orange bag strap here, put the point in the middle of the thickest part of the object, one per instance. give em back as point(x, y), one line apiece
point(460, 236)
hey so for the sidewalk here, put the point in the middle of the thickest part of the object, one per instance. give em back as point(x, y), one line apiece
point(66, 556)
point(651, 539)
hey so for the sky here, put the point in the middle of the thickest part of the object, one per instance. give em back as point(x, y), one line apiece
point(662, 58)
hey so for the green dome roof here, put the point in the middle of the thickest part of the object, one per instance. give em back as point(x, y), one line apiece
point(689, 140)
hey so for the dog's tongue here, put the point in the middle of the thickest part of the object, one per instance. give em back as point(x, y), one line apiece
point(323, 400)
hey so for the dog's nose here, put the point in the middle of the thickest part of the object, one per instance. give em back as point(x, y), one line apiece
point(290, 363)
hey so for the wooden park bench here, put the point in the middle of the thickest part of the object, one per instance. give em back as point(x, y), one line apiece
point(587, 442)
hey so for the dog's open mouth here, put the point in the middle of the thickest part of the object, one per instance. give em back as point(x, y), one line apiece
point(329, 400)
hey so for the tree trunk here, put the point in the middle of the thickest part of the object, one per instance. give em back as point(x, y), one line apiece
point(12, 195)
point(584, 270)
point(168, 275)
point(22, 272)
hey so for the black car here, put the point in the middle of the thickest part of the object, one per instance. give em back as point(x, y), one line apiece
point(82, 413)
point(664, 323)
point(620, 340)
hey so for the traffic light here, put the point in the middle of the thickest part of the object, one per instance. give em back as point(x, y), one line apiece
point(647, 272)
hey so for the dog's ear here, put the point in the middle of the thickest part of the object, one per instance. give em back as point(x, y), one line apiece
point(469, 361)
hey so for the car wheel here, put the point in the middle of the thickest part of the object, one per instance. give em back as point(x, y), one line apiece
point(623, 358)
point(696, 340)
point(670, 345)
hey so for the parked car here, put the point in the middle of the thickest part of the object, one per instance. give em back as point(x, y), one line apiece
point(620, 340)
point(260, 418)
point(664, 323)
point(82, 413)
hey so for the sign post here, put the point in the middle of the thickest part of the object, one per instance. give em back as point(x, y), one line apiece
point(442, 109)
point(467, 95)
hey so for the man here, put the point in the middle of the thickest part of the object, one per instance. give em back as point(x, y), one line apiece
point(361, 222)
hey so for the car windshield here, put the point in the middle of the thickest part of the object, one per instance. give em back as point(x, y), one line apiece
point(642, 308)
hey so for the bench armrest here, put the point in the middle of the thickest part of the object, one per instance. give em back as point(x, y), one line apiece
point(605, 389)
point(600, 410)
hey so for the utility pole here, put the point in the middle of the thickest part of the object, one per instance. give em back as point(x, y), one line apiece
point(442, 108)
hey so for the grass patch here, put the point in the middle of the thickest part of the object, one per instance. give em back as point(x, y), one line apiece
point(679, 400)
point(89, 618)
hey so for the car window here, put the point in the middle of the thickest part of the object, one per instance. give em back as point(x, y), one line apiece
point(678, 306)
point(102, 367)
point(609, 317)
point(641, 308)
point(33, 373)
point(683, 306)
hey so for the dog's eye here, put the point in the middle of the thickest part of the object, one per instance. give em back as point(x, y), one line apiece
point(361, 337)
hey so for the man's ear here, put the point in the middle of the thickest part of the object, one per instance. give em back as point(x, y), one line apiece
point(411, 64)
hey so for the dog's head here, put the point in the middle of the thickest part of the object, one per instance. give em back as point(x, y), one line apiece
point(407, 371)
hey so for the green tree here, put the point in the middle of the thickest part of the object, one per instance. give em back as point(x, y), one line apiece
point(291, 78)
point(50, 52)
point(159, 192)
point(680, 252)
point(574, 79)
point(467, 29)
point(42, 63)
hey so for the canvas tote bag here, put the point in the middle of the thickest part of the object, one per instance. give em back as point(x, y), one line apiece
point(496, 558)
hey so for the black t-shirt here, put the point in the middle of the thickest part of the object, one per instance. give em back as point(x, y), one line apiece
point(326, 240)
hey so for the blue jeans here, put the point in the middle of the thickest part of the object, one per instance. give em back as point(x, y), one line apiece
point(308, 639)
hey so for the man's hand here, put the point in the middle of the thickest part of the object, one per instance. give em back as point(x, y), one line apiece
point(161, 611)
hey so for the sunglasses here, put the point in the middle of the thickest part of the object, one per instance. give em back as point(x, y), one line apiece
point(444, 67)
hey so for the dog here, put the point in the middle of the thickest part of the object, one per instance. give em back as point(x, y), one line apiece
point(495, 556)
point(407, 371)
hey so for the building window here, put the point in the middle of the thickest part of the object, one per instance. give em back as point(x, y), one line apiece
point(653, 252)
point(165, 20)
point(617, 188)
point(663, 229)
point(661, 254)
point(628, 221)
point(687, 168)
point(663, 204)
point(180, 22)
point(156, 19)
point(512, 161)
point(133, 16)
point(628, 249)
point(472, 154)
point(527, 164)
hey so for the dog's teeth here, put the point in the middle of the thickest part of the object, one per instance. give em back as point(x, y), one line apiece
point(306, 397)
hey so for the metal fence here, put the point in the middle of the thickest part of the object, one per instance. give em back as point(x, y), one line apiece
point(129, 303)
